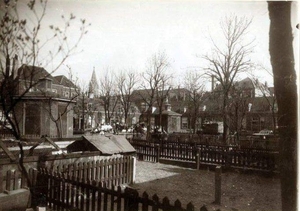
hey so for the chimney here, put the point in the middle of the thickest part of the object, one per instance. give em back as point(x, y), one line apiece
point(249, 107)
point(212, 83)
point(15, 67)
point(168, 106)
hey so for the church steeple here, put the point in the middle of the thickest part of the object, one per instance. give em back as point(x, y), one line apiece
point(93, 85)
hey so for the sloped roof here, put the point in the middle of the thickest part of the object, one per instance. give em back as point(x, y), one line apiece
point(166, 112)
point(261, 103)
point(246, 83)
point(34, 73)
point(64, 81)
point(107, 145)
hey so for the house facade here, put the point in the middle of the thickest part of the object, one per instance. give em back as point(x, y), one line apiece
point(44, 102)
point(251, 107)
point(93, 110)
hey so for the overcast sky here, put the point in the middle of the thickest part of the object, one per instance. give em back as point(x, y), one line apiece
point(124, 34)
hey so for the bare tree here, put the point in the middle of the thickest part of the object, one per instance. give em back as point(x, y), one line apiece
point(80, 108)
point(126, 83)
point(194, 84)
point(162, 94)
point(268, 94)
point(108, 94)
point(21, 42)
point(282, 61)
point(225, 64)
point(65, 103)
point(238, 108)
point(155, 78)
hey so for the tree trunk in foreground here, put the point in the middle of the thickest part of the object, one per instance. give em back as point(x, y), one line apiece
point(282, 60)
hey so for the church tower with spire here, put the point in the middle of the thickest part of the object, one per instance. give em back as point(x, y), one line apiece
point(93, 86)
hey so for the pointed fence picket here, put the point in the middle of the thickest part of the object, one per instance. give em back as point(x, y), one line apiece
point(65, 192)
point(229, 156)
point(112, 171)
point(13, 179)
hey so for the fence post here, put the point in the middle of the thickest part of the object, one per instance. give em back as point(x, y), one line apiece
point(131, 202)
point(1, 178)
point(133, 170)
point(228, 158)
point(218, 177)
point(157, 146)
point(198, 157)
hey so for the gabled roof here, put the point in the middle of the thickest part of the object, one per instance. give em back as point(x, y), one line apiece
point(33, 73)
point(166, 112)
point(141, 92)
point(261, 103)
point(64, 81)
point(246, 83)
point(107, 145)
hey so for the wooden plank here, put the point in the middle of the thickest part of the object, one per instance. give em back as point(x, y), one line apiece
point(93, 170)
point(7, 152)
point(97, 170)
point(110, 177)
point(24, 182)
point(68, 194)
point(64, 190)
point(105, 198)
point(88, 195)
point(8, 180)
point(16, 180)
point(55, 145)
point(93, 201)
point(119, 198)
point(77, 192)
point(145, 201)
point(81, 206)
point(37, 139)
point(99, 200)
point(1, 179)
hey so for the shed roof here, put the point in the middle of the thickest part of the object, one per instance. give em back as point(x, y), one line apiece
point(105, 144)
point(166, 112)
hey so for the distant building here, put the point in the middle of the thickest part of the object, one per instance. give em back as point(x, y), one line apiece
point(91, 113)
point(169, 120)
point(47, 107)
point(93, 86)
point(251, 106)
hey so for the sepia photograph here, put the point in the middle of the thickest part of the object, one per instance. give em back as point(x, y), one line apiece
point(161, 105)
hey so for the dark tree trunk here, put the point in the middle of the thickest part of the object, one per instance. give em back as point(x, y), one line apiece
point(282, 60)
point(225, 118)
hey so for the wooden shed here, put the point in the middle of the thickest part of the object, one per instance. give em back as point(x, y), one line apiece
point(106, 145)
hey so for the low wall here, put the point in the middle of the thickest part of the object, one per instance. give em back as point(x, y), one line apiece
point(15, 200)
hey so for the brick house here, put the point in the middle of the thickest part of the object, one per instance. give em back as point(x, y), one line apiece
point(47, 107)
point(252, 106)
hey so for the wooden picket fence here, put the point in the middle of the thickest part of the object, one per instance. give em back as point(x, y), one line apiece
point(65, 192)
point(111, 171)
point(201, 154)
point(14, 180)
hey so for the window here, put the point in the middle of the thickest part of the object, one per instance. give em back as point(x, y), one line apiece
point(255, 120)
point(184, 123)
point(66, 94)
